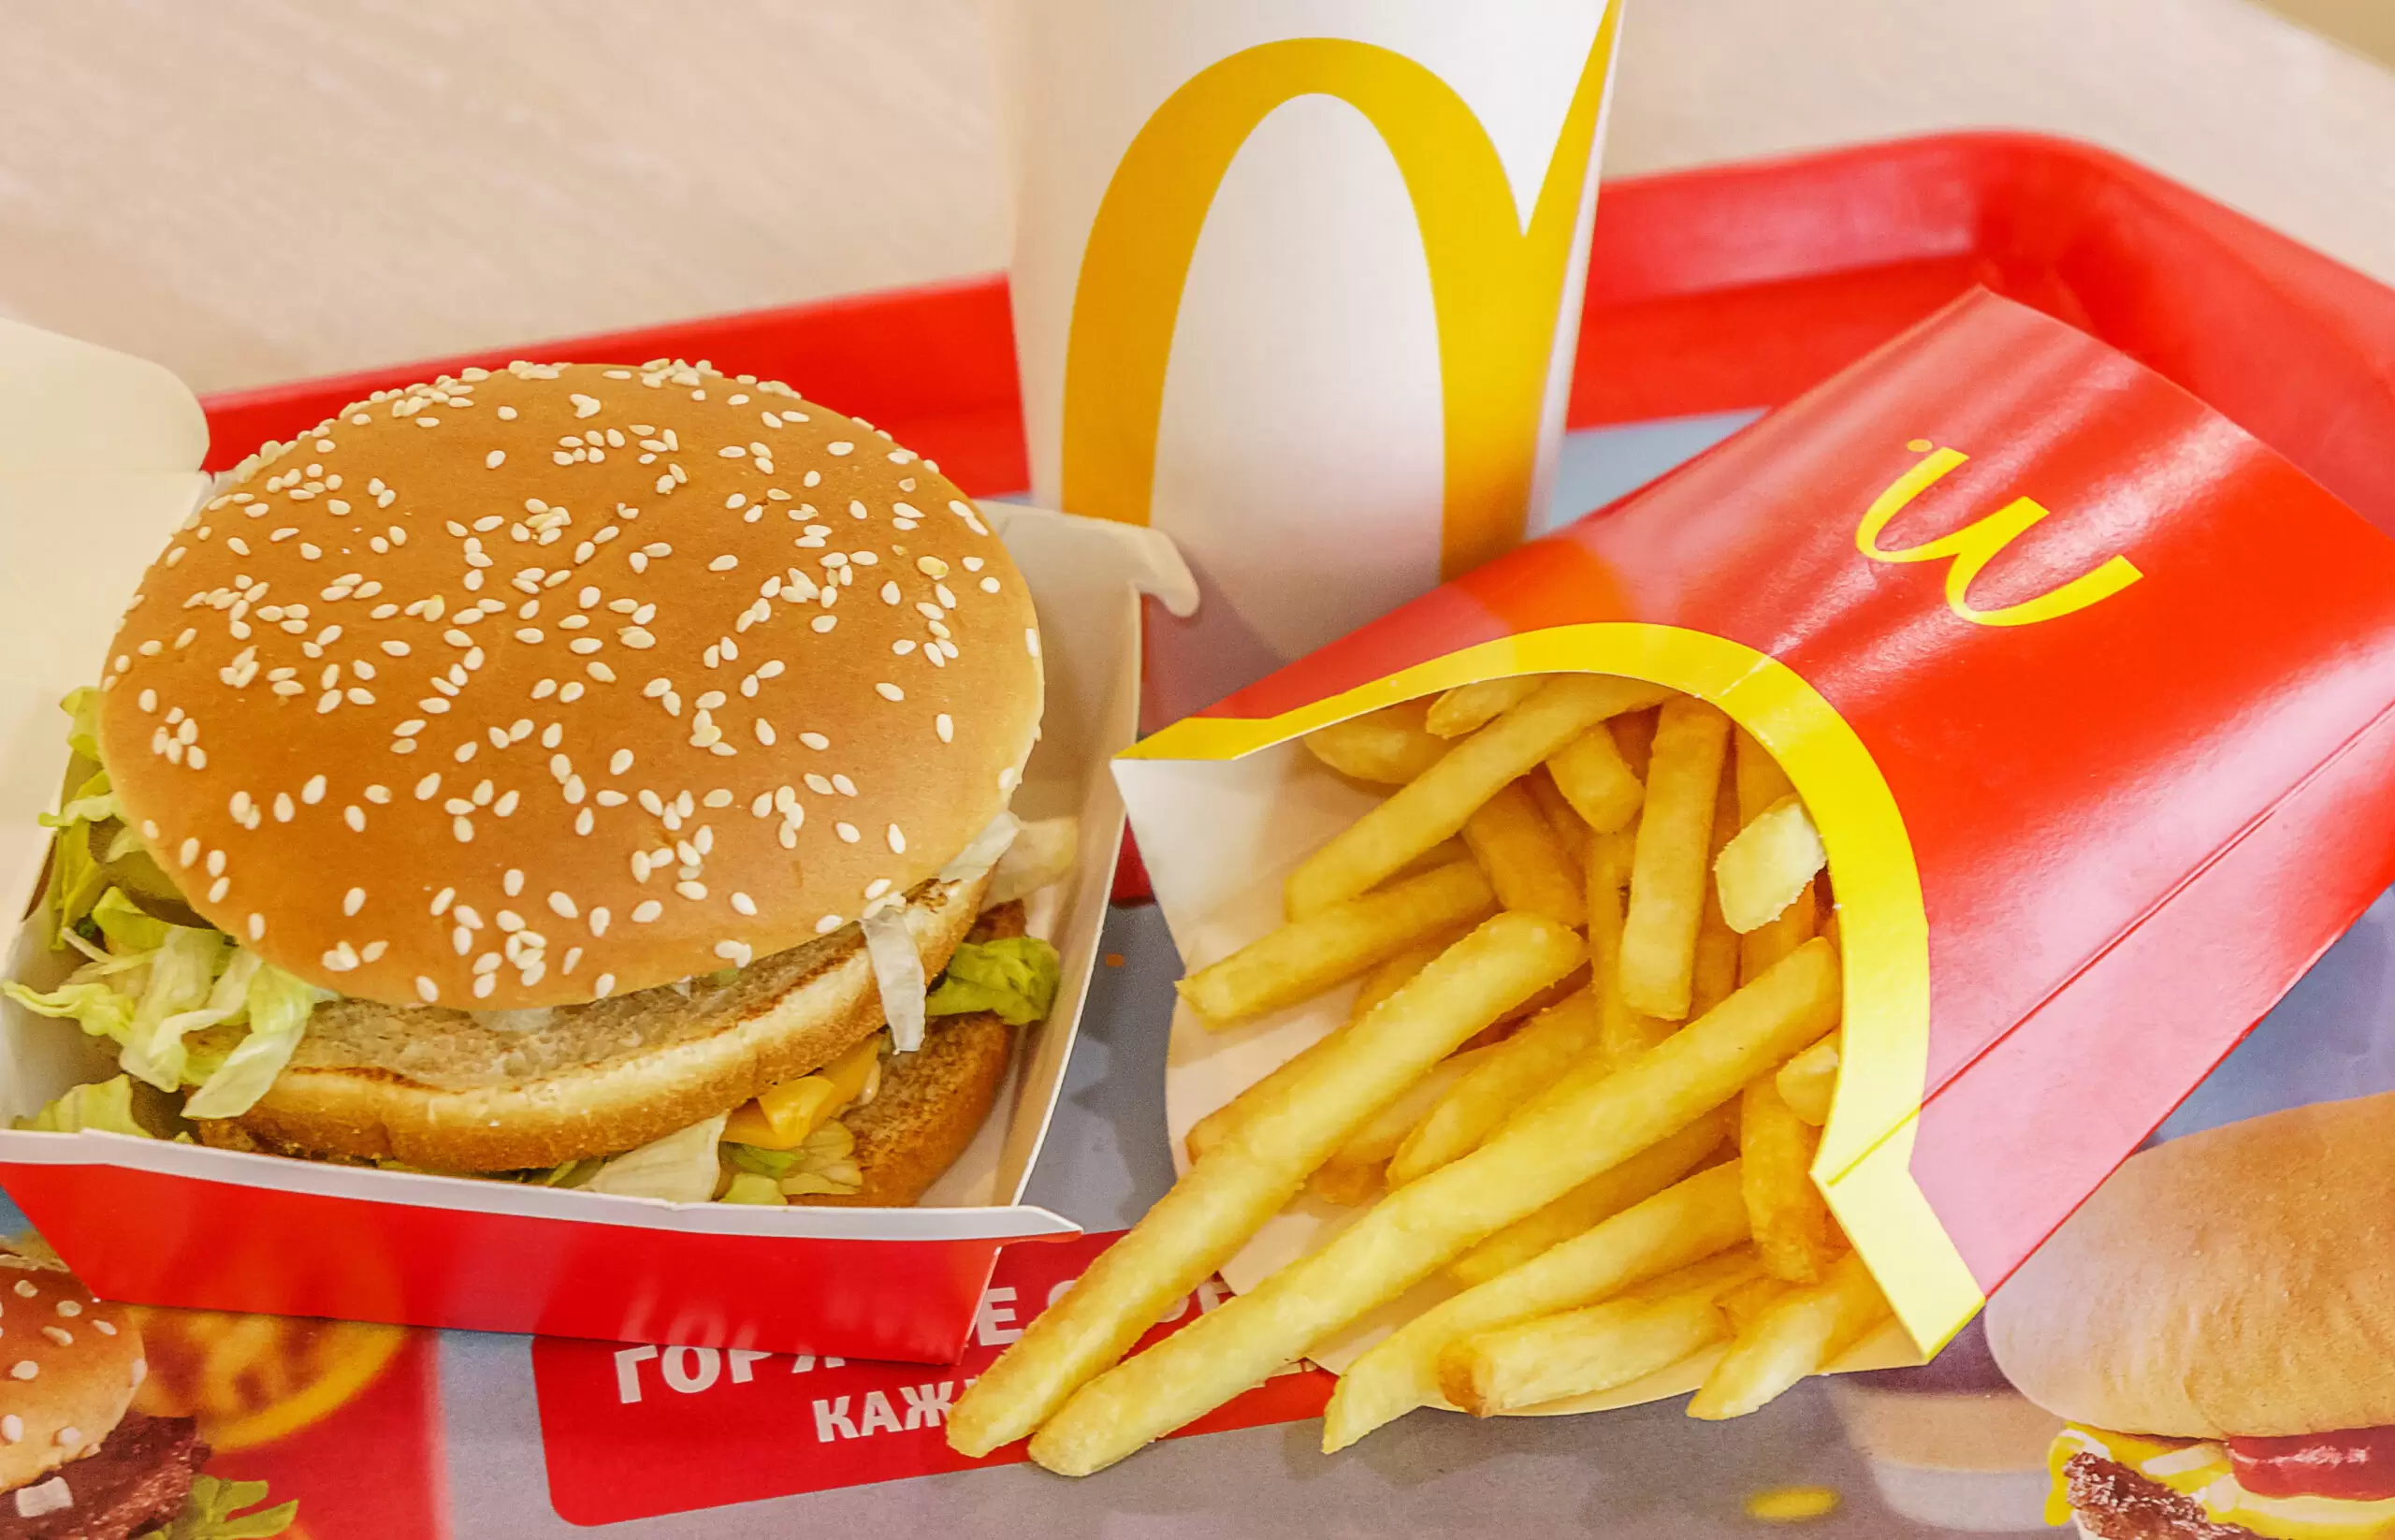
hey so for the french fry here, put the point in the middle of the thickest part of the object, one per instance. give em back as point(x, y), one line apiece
point(1792, 1229)
point(1633, 733)
point(1681, 1225)
point(1467, 709)
point(1369, 1147)
point(1596, 1348)
point(1596, 780)
point(1668, 871)
point(1539, 1154)
point(1713, 973)
point(1798, 1333)
point(1832, 931)
point(1807, 1081)
point(1387, 976)
point(1595, 1200)
point(1571, 830)
point(1768, 865)
point(1625, 1034)
point(1307, 956)
point(1524, 861)
point(1556, 1040)
point(1775, 937)
point(1435, 804)
point(1387, 747)
point(1235, 1187)
point(1746, 1302)
point(1761, 780)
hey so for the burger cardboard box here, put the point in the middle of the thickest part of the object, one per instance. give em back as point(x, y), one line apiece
point(98, 463)
point(2088, 689)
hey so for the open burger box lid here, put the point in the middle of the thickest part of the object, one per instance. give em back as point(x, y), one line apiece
point(2090, 691)
point(99, 462)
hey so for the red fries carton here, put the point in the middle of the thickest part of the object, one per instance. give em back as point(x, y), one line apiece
point(2088, 689)
point(99, 458)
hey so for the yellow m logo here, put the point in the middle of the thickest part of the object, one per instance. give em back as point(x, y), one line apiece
point(1975, 545)
point(1495, 286)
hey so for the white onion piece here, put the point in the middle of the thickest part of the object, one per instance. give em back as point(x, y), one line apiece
point(898, 968)
point(680, 1167)
point(982, 851)
point(1041, 853)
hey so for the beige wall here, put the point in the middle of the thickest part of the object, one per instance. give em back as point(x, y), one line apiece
point(2367, 26)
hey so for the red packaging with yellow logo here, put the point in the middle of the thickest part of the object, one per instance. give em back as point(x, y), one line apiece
point(2087, 688)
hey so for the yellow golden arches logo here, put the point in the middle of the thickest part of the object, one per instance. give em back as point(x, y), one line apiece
point(1975, 545)
point(1495, 286)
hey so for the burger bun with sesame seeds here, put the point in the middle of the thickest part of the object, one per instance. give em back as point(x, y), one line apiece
point(565, 720)
point(75, 1459)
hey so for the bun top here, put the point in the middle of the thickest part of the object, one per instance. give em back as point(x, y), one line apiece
point(532, 686)
point(68, 1365)
point(2231, 1283)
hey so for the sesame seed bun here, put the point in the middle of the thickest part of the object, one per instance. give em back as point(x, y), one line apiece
point(653, 752)
point(2233, 1283)
point(69, 1366)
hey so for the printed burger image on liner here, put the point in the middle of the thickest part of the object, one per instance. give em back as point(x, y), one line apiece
point(588, 774)
point(77, 1461)
point(2213, 1325)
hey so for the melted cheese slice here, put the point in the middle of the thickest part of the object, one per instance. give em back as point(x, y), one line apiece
point(2202, 1472)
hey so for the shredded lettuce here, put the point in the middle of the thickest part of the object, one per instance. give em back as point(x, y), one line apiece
point(107, 1106)
point(83, 708)
point(277, 1005)
point(77, 881)
point(1015, 976)
point(212, 1513)
point(755, 1159)
point(126, 925)
point(748, 1187)
point(680, 1167)
point(178, 998)
point(102, 1011)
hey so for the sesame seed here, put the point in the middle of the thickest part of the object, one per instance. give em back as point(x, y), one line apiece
point(815, 740)
point(897, 840)
point(426, 990)
point(945, 726)
point(649, 909)
point(829, 923)
point(353, 901)
point(876, 888)
point(584, 406)
point(847, 833)
point(892, 692)
point(1031, 639)
point(493, 461)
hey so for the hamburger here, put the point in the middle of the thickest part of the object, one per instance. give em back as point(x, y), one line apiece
point(2217, 1327)
point(570, 772)
point(77, 1462)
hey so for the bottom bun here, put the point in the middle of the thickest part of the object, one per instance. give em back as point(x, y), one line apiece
point(931, 1104)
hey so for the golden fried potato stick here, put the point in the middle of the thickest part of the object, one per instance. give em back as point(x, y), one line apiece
point(1794, 1233)
point(1597, 1200)
point(1524, 861)
point(1807, 1081)
point(1593, 777)
point(1744, 1304)
point(1596, 1348)
point(1538, 1156)
point(1435, 804)
point(1760, 779)
point(1633, 733)
point(1380, 982)
point(1557, 1041)
point(1467, 709)
point(1714, 972)
point(1305, 958)
point(1235, 1187)
point(1356, 1165)
point(1387, 747)
point(1799, 1334)
point(1768, 866)
point(1625, 1034)
point(1571, 830)
point(1670, 1229)
point(1667, 874)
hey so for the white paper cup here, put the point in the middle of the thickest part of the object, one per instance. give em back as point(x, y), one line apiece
point(1299, 282)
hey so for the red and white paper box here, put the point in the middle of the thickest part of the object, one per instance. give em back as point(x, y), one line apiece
point(98, 463)
point(2088, 690)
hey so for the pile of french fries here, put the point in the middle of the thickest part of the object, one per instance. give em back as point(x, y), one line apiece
point(1593, 1042)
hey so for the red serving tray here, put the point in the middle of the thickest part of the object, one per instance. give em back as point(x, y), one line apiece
point(1735, 286)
